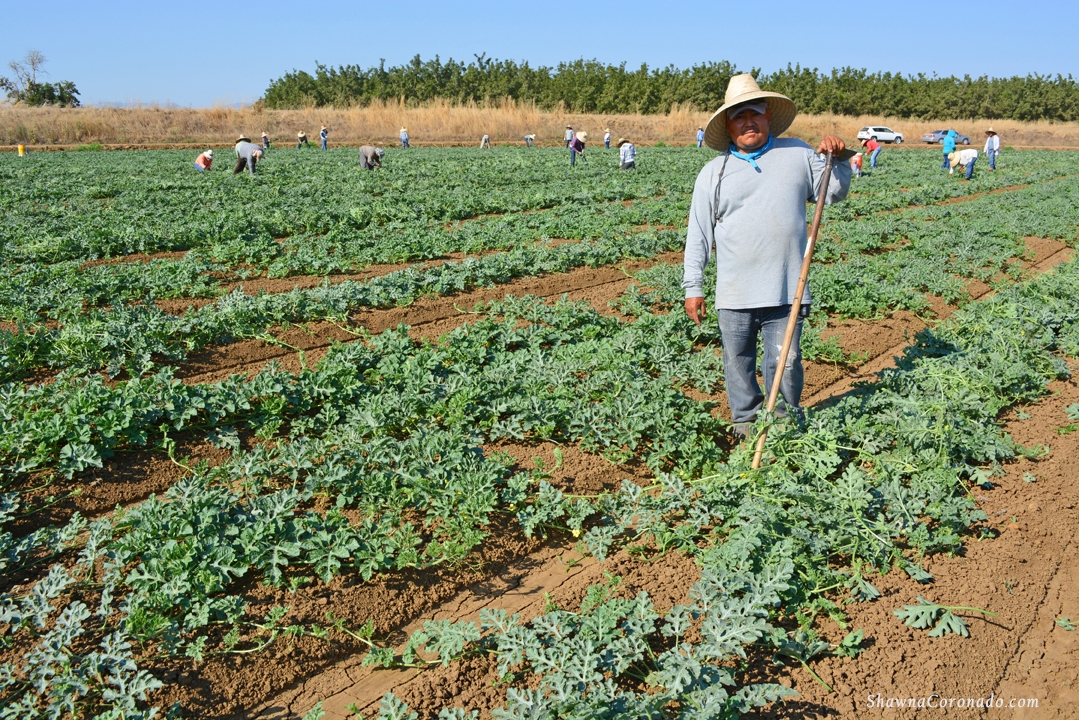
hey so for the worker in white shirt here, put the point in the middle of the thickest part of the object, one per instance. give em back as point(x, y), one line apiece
point(992, 147)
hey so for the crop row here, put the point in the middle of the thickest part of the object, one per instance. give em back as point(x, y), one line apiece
point(391, 431)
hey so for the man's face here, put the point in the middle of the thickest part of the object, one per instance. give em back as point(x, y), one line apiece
point(748, 128)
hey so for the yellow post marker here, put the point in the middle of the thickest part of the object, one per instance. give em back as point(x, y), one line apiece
point(22, 150)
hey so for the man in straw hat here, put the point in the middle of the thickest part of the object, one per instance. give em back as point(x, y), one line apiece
point(576, 147)
point(404, 138)
point(569, 135)
point(247, 154)
point(627, 155)
point(301, 140)
point(607, 139)
point(265, 141)
point(750, 203)
point(966, 157)
point(992, 147)
point(371, 157)
point(323, 136)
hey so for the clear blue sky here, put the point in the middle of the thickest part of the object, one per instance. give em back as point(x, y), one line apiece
point(197, 53)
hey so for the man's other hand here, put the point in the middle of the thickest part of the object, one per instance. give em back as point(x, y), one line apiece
point(695, 309)
point(832, 144)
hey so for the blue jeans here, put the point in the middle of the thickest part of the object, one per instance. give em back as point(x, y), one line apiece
point(970, 168)
point(323, 143)
point(739, 330)
point(607, 144)
point(992, 159)
point(404, 144)
point(873, 158)
point(198, 167)
point(946, 165)
point(572, 157)
point(699, 143)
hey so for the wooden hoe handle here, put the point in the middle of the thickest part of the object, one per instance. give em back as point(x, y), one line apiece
point(796, 306)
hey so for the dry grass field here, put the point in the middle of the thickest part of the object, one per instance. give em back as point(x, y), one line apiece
point(441, 124)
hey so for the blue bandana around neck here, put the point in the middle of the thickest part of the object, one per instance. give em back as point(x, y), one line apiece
point(751, 158)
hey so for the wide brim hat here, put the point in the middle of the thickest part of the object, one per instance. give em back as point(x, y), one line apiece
point(621, 142)
point(990, 131)
point(209, 153)
point(582, 135)
point(243, 138)
point(742, 89)
point(300, 134)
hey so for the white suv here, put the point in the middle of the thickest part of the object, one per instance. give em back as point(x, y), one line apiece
point(881, 134)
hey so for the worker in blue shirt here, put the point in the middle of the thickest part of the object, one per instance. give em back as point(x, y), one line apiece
point(700, 137)
point(322, 135)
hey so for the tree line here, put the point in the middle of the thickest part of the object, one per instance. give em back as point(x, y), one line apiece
point(24, 87)
point(589, 86)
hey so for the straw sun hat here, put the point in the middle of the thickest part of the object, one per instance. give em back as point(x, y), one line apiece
point(582, 135)
point(990, 131)
point(243, 138)
point(743, 88)
point(621, 142)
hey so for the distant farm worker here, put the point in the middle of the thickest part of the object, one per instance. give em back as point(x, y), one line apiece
point(948, 146)
point(856, 164)
point(873, 148)
point(265, 141)
point(576, 147)
point(607, 138)
point(247, 154)
point(700, 137)
point(301, 140)
point(992, 147)
point(627, 155)
point(404, 138)
point(323, 135)
point(530, 140)
point(569, 135)
point(204, 161)
point(485, 141)
point(757, 222)
point(966, 158)
point(371, 157)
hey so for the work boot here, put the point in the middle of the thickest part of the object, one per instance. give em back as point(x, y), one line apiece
point(741, 431)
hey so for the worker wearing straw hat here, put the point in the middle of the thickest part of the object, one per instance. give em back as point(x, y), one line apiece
point(323, 136)
point(749, 203)
point(404, 138)
point(247, 155)
point(530, 140)
point(265, 141)
point(371, 157)
point(992, 147)
point(627, 155)
point(204, 161)
point(607, 139)
point(576, 147)
point(569, 135)
point(301, 140)
point(700, 137)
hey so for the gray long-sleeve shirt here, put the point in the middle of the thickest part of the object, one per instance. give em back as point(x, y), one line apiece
point(761, 235)
point(247, 150)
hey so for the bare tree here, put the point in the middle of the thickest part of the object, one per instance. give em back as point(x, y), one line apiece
point(25, 88)
point(26, 71)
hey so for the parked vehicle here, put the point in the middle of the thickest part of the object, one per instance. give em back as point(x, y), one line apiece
point(938, 135)
point(880, 134)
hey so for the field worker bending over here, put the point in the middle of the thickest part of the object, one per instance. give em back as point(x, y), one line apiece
point(247, 154)
point(569, 135)
point(204, 161)
point(992, 147)
point(530, 140)
point(404, 138)
point(371, 157)
point(873, 148)
point(607, 138)
point(966, 158)
point(576, 147)
point(948, 146)
point(301, 140)
point(627, 155)
point(485, 141)
point(856, 165)
point(756, 220)
point(265, 141)
point(323, 135)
